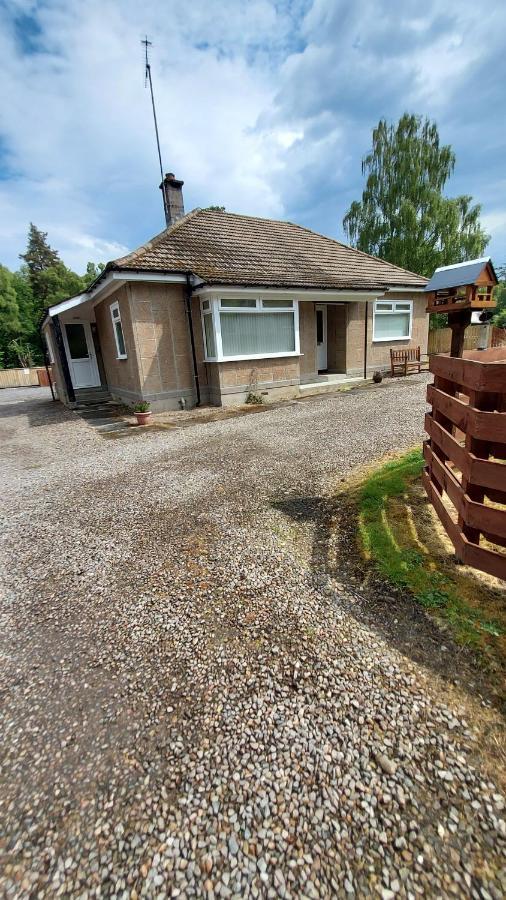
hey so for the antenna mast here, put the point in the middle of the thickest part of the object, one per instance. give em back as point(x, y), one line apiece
point(147, 79)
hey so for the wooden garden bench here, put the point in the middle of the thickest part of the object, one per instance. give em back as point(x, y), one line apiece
point(405, 360)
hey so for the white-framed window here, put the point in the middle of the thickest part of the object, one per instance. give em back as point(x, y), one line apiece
point(393, 320)
point(249, 328)
point(118, 331)
point(208, 330)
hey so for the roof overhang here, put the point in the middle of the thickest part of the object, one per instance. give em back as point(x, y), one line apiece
point(315, 295)
point(111, 282)
point(113, 279)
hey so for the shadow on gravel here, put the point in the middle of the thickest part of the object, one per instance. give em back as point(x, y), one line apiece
point(386, 610)
point(39, 410)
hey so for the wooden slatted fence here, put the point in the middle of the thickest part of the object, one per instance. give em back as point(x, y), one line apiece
point(19, 377)
point(440, 339)
point(498, 337)
point(465, 473)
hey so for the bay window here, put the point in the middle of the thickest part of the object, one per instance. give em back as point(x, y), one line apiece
point(392, 320)
point(249, 328)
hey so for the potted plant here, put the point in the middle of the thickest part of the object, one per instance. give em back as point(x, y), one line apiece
point(142, 412)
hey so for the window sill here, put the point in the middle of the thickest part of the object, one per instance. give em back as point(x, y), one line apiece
point(390, 340)
point(122, 357)
point(225, 359)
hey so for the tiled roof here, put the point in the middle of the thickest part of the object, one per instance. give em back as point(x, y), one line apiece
point(225, 248)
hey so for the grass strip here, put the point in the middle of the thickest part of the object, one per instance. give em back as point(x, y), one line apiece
point(385, 536)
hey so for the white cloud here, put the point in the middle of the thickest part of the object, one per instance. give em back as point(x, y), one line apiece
point(265, 107)
point(78, 130)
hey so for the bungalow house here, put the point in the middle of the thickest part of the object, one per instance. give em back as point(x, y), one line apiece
point(220, 305)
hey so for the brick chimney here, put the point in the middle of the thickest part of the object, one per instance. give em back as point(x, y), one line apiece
point(172, 191)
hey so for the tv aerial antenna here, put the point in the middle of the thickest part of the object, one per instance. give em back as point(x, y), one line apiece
point(148, 80)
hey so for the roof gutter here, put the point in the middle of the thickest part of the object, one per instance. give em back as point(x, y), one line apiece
point(316, 294)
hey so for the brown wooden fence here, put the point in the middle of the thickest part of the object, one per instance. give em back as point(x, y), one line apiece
point(465, 475)
point(22, 377)
point(498, 337)
point(440, 339)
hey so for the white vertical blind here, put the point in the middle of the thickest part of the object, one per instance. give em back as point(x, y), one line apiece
point(244, 334)
point(392, 325)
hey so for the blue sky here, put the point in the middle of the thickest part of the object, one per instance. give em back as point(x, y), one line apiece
point(264, 107)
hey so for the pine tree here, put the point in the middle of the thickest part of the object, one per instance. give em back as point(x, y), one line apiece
point(403, 216)
point(39, 257)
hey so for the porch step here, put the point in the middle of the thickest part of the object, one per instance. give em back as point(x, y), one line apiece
point(331, 376)
point(92, 395)
point(328, 383)
point(101, 413)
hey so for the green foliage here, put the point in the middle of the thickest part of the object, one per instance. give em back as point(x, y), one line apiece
point(403, 216)
point(254, 399)
point(53, 285)
point(43, 280)
point(407, 567)
point(92, 273)
point(500, 295)
point(10, 322)
point(143, 406)
point(438, 320)
point(213, 209)
point(23, 354)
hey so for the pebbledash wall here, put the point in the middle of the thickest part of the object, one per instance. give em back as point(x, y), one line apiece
point(159, 364)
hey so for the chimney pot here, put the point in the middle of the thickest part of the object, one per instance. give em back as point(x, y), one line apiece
point(172, 190)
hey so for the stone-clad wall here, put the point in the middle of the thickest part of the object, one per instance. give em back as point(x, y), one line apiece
point(159, 363)
point(274, 378)
point(122, 375)
point(336, 338)
point(378, 353)
point(307, 328)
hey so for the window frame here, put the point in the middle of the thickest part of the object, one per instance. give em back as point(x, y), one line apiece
point(209, 311)
point(215, 311)
point(393, 304)
point(112, 308)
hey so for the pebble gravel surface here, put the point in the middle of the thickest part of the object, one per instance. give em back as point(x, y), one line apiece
point(187, 708)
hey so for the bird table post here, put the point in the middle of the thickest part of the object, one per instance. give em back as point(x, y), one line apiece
point(458, 322)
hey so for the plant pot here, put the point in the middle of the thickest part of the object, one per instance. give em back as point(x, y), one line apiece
point(377, 378)
point(142, 417)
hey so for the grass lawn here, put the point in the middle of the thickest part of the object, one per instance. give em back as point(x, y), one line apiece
point(401, 535)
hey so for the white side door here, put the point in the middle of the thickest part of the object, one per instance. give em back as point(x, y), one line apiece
point(81, 358)
point(321, 338)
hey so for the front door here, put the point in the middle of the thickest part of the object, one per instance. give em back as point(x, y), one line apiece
point(321, 338)
point(81, 354)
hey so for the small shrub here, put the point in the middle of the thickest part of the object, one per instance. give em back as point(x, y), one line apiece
point(143, 407)
point(253, 398)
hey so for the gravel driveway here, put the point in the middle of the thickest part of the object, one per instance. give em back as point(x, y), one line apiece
point(187, 708)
